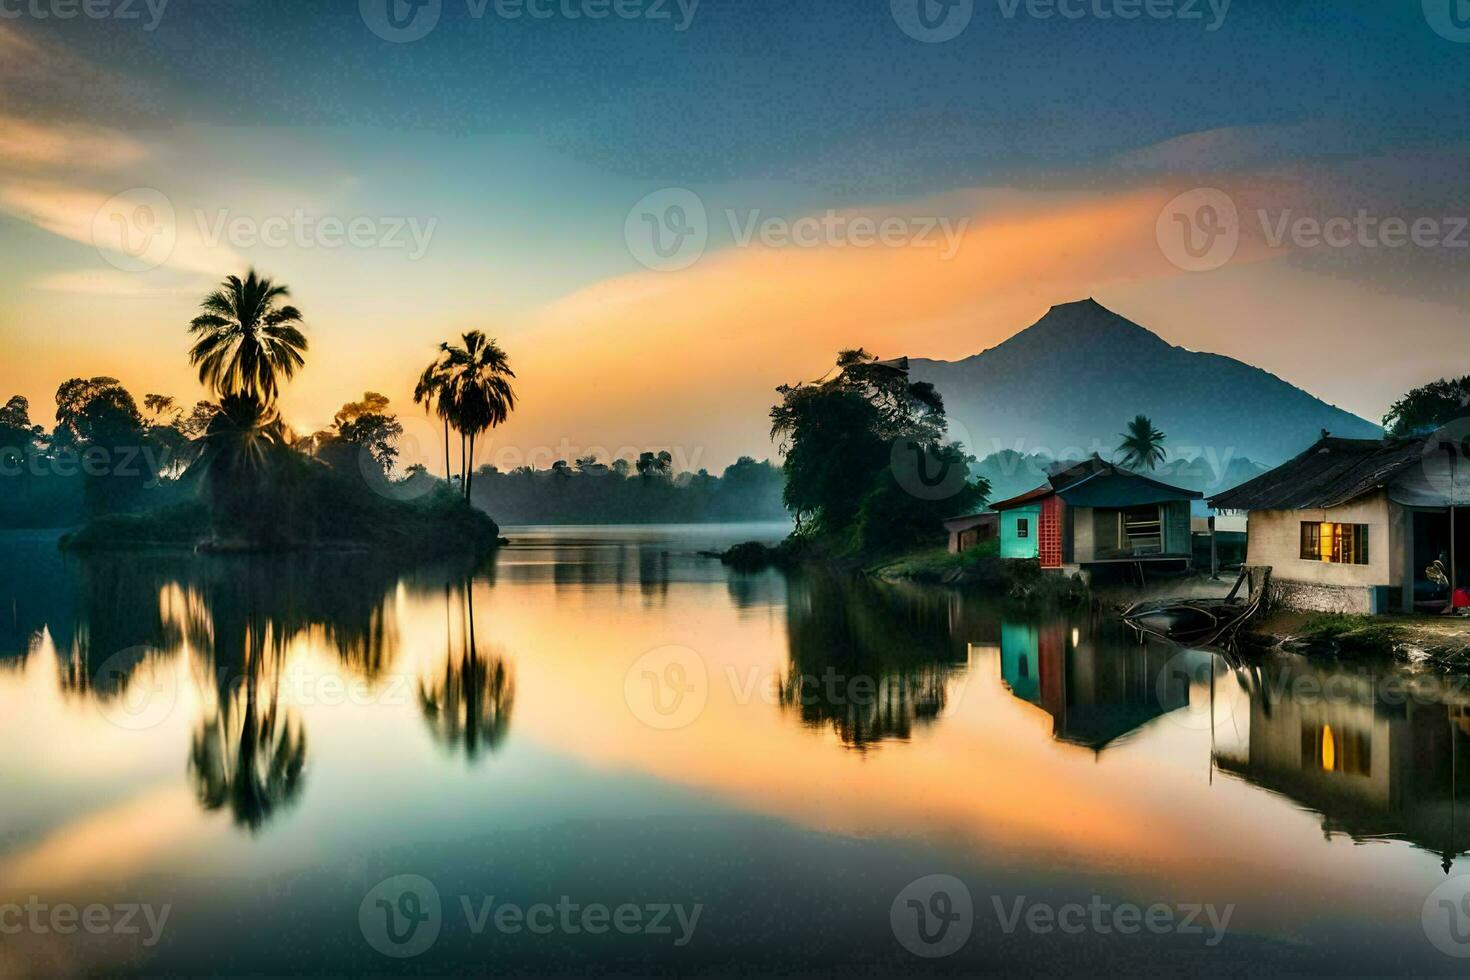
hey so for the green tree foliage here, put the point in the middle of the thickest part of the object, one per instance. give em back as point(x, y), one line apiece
point(19, 437)
point(248, 339)
point(368, 426)
point(1429, 407)
point(1143, 445)
point(841, 436)
point(245, 442)
point(596, 493)
point(652, 465)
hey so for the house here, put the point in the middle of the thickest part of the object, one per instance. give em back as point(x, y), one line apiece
point(1359, 525)
point(1095, 513)
point(969, 530)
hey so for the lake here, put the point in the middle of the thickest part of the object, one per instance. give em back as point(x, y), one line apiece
point(601, 752)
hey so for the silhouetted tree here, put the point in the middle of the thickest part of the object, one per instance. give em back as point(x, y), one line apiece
point(1428, 407)
point(479, 388)
point(1142, 445)
point(247, 338)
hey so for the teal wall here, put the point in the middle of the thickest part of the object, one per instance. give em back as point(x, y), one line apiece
point(1012, 546)
point(1178, 539)
point(1020, 660)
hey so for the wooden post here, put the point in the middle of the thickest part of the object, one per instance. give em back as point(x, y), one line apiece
point(1214, 554)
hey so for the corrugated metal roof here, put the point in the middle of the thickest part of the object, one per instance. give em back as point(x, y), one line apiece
point(1331, 473)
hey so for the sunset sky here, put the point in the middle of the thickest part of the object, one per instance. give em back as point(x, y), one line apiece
point(497, 173)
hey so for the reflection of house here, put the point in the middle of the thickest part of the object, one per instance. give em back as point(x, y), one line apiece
point(1353, 525)
point(1372, 769)
point(1094, 698)
point(1097, 513)
point(971, 529)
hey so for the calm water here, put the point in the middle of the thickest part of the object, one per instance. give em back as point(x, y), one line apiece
point(602, 752)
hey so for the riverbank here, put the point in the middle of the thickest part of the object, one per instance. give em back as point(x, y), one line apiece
point(1430, 641)
point(439, 522)
point(979, 568)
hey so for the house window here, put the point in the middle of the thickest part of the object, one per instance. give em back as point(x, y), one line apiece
point(1023, 527)
point(1341, 544)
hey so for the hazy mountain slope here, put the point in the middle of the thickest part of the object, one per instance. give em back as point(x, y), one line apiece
point(1070, 383)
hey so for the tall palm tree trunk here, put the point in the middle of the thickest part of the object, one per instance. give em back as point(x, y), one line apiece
point(447, 472)
point(471, 481)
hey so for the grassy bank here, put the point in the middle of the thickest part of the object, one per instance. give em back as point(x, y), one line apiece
point(1440, 640)
point(980, 568)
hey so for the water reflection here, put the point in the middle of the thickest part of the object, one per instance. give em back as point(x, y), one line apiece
point(1097, 688)
point(116, 624)
point(467, 703)
point(871, 662)
point(247, 756)
point(1379, 754)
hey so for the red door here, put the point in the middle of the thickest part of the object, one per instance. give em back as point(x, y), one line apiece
point(1049, 538)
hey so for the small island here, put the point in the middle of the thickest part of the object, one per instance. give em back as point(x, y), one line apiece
point(230, 476)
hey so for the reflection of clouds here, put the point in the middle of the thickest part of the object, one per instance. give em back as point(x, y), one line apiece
point(114, 844)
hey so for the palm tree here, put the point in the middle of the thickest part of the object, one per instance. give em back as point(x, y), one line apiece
point(245, 436)
point(479, 390)
point(247, 338)
point(1142, 444)
point(432, 392)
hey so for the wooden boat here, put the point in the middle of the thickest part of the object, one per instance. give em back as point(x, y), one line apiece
point(1201, 622)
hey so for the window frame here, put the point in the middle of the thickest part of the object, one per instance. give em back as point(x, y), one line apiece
point(1345, 543)
point(1023, 528)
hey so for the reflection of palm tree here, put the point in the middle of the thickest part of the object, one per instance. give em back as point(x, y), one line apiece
point(247, 338)
point(471, 704)
point(479, 388)
point(1142, 444)
point(248, 757)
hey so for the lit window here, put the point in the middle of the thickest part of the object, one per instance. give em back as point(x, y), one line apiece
point(1340, 544)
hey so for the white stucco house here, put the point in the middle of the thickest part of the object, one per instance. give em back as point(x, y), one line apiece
point(1361, 525)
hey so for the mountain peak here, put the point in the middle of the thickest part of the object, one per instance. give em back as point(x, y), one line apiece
point(1075, 377)
point(1085, 323)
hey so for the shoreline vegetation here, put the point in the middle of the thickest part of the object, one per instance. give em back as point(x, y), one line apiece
point(871, 475)
point(230, 476)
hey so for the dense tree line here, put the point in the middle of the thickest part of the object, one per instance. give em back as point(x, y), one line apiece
point(644, 491)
